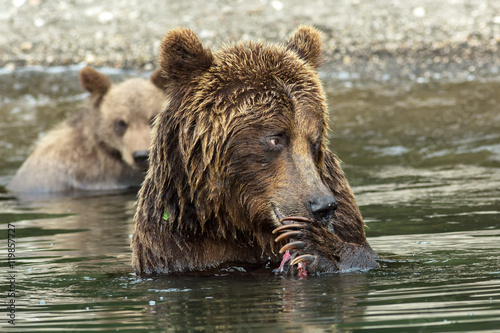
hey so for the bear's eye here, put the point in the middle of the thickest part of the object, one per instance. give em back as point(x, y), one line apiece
point(152, 121)
point(275, 142)
point(120, 126)
point(316, 147)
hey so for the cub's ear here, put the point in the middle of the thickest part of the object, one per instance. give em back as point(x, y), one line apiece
point(158, 79)
point(94, 82)
point(306, 42)
point(183, 57)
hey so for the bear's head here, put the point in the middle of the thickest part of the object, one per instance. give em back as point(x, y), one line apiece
point(244, 140)
point(123, 113)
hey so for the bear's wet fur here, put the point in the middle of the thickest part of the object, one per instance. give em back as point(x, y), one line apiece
point(241, 146)
point(104, 146)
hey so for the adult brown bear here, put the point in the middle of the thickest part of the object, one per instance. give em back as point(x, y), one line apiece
point(239, 152)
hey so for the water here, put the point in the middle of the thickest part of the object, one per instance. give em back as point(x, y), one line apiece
point(423, 160)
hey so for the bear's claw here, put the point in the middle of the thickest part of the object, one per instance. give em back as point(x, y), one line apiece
point(289, 226)
point(293, 219)
point(293, 228)
point(289, 234)
point(293, 246)
point(305, 258)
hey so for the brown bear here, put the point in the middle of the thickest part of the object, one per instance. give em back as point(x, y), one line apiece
point(105, 146)
point(240, 170)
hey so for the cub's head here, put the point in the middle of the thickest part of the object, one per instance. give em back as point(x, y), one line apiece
point(124, 113)
point(244, 141)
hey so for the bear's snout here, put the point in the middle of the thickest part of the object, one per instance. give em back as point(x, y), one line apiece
point(323, 207)
point(141, 158)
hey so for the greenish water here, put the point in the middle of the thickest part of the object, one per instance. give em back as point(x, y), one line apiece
point(423, 160)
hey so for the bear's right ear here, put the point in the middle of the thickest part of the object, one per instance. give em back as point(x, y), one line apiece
point(306, 42)
point(94, 82)
point(183, 57)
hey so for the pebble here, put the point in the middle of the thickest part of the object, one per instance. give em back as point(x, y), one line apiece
point(105, 17)
point(419, 12)
point(278, 5)
point(26, 46)
point(18, 3)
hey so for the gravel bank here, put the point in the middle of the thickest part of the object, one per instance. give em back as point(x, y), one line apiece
point(380, 40)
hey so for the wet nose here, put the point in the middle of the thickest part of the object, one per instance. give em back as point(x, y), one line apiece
point(141, 157)
point(323, 207)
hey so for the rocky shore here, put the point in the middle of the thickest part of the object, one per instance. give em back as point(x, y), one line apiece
point(380, 40)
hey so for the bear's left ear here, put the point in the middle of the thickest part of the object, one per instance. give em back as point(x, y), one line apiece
point(158, 80)
point(306, 42)
point(94, 82)
point(183, 58)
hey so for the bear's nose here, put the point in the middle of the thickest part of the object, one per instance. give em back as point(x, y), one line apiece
point(141, 157)
point(323, 207)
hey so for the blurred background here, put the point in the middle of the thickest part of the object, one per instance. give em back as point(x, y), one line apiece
point(378, 39)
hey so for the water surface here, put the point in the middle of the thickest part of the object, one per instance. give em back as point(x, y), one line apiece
point(423, 160)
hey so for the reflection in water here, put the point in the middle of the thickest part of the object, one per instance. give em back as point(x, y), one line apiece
point(423, 161)
point(67, 250)
point(461, 306)
point(269, 303)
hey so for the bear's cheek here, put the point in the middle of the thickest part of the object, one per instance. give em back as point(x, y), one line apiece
point(249, 187)
point(285, 190)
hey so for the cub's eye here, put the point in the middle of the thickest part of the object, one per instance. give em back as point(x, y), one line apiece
point(120, 126)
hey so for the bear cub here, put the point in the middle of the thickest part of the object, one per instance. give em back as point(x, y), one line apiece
point(240, 169)
point(105, 146)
